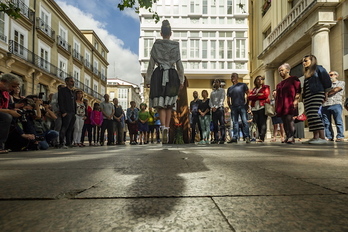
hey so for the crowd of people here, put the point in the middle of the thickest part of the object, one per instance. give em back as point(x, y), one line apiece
point(29, 123)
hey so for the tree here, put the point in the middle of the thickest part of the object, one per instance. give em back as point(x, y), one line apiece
point(136, 5)
point(9, 8)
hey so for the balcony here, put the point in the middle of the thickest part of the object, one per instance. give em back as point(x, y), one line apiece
point(77, 56)
point(293, 16)
point(88, 64)
point(47, 33)
point(24, 10)
point(64, 45)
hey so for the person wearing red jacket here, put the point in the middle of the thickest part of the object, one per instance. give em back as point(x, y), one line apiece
point(257, 98)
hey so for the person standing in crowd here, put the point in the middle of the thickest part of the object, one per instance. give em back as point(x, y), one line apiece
point(236, 95)
point(118, 122)
point(80, 118)
point(55, 109)
point(258, 96)
point(143, 127)
point(67, 108)
point(165, 81)
point(195, 117)
point(87, 126)
point(317, 85)
point(288, 95)
point(132, 121)
point(228, 120)
point(96, 122)
point(107, 108)
point(216, 103)
point(204, 117)
point(332, 107)
point(299, 124)
point(277, 121)
point(154, 125)
point(8, 82)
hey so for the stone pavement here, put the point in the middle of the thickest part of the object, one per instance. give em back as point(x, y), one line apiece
point(231, 187)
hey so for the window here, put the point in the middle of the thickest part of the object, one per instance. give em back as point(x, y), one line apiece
point(87, 59)
point(194, 48)
point(147, 47)
point(102, 90)
point(240, 34)
point(180, 34)
point(19, 38)
point(2, 27)
point(266, 32)
point(221, 49)
point(240, 65)
point(76, 52)
point(112, 95)
point(229, 49)
point(205, 7)
point(76, 76)
point(63, 35)
point(229, 7)
point(95, 66)
point(103, 53)
point(96, 45)
point(194, 6)
point(122, 97)
point(40, 88)
point(204, 49)
point(240, 6)
point(213, 8)
point(221, 7)
point(240, 48)
point(213, 65)
point(175, 7)
point(229, 65)
point(224, 34)
point(204, 65)
point(62, 67)
point(44, 57)
point(194, 34)
point(87, 80)
point(221, 65)
point(95, 87)
point(184, 49)
point(213, 49)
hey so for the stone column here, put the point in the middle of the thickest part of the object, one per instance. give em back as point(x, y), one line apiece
point(321, 45)
point(269, 76)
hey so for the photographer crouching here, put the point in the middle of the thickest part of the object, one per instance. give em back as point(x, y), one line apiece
point(30, 132)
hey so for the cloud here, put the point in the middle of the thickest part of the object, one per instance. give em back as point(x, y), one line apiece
point(123, 63)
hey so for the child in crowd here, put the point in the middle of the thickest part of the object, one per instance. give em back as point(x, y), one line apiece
point(96, 122)
point(143, 126)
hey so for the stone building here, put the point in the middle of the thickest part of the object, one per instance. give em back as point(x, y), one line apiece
point(44, 46)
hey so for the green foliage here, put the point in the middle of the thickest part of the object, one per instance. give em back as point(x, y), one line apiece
point(10, 9)
point(136, 5)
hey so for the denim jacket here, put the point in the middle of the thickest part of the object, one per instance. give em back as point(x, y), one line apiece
point(320, 81)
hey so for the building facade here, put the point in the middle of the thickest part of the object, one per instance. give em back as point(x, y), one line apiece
point(124, 91)
point(213, 37)
point(44, 46)
point(284, 31)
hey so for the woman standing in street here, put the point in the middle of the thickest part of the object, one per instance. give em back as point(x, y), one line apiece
point(80, 118)
point(288, 93)
point(257, 98)
point(165, 81)
point(317, 83)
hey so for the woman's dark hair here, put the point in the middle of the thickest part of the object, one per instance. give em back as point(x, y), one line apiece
point(95, 106)
point(166, 29)
point(309, 71)
point(256, 78)
point(204, 91)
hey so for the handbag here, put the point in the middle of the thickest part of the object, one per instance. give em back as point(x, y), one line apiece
point(269, 110)
point(302, 117)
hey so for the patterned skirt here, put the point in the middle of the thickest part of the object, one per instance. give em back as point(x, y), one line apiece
point(312, 104)
point(164, 96)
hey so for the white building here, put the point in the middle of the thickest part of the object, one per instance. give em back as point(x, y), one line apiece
point(212, 36)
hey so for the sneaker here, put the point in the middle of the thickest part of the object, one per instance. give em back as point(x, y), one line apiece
point(247, 140)
point(62, 146)
point(201, 142)
point(318, 141)
point(308, 141)
point(340, 140)
point(221, 142)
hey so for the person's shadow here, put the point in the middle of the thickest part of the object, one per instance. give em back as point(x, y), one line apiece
point(159, 187)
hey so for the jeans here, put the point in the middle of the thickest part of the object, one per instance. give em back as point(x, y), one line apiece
point(79, 122)
point(219, 123)
point(334, 111)
point(88, 128)
point(5, 123)
point(237, 111)
point(205, 126)
point(118, 128)
point(49, 137)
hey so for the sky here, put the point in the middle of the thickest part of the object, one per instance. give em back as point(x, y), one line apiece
point(119, 31)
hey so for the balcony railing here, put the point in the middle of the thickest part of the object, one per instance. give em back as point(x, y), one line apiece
point(88, 64)
point(103, 77)
point(41, 63)
point(293, 16)
point(24, 9)
point(77, 55)
point(44, 27)
point(64, 44)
